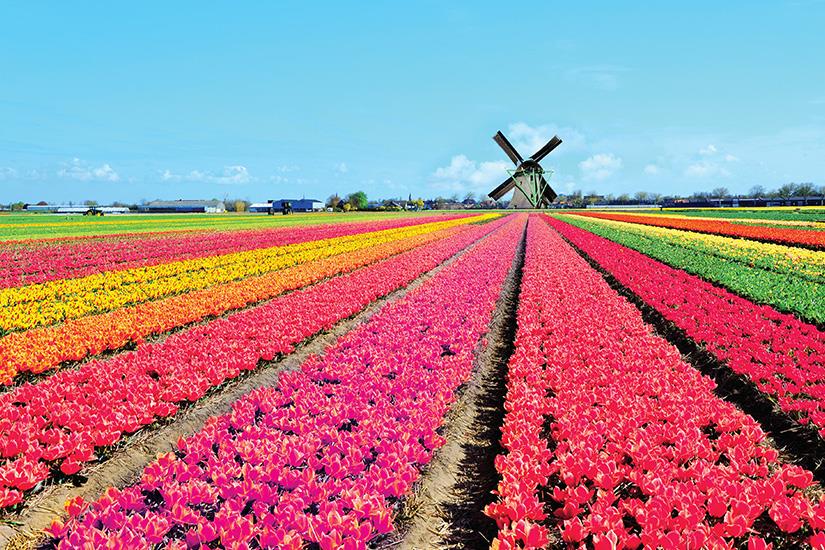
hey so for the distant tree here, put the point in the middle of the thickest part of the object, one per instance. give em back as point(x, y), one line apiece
point(357, 200)
point(786, 191)
point(470, 196)
point(641, 196)
point(347, 207)
point(454, 197)
point(720, 193)
point(805, 189)
point(624, 198)
point(240, 206)
point(89, 203)
point(419, 203)
point(17, 206)
point(757, 191)
point(333, 201)
point(656, 198)
point(609, 198)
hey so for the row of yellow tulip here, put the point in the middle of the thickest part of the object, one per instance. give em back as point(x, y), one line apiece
point(54, 301)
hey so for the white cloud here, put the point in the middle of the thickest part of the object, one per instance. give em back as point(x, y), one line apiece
point(81, 170)
point(651, 169)
point(529, 139)
point(600, 166)
point(708, 151)
point(731, 158)
point(284, 168)
point(231, 175)
point(7, 173)
point(342, 168)
point(464, 174)
point(706, 169)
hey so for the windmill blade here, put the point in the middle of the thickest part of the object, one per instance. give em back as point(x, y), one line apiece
point(548, 147)
point(502, 189)
point(508, 148)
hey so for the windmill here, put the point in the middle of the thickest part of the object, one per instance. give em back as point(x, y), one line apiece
point(532, 190)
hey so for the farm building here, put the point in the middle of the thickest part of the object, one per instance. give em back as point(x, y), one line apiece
point(182, 206)
point(298, 205)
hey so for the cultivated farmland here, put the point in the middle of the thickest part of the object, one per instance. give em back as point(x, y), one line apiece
point(501, 380)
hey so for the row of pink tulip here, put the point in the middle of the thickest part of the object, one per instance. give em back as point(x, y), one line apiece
point(321, 458)
point(62, 420)
point(40, 262)
point(613, 441)
point(783, 356)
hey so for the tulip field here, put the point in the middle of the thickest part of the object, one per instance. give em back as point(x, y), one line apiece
point(651, 380)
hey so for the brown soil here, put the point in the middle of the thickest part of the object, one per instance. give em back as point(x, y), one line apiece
point(23, 530)
point(446, 507)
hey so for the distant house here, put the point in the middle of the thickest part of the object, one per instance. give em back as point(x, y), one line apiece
point(181, 206)
point(260, 207)
point(299, 205)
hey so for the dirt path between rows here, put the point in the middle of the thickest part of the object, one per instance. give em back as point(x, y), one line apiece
point(446, 509)
point(24, 529)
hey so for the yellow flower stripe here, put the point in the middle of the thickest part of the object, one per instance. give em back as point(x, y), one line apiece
point(776, 257)
point(53, 301)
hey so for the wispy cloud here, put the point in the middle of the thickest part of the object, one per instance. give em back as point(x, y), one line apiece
point(80, 170)
point(600, 166)
point(652, 169)
point(706, 169)
point(231, 175)
point(601, 77)
point(341, 168)
point(708, 151)
point(7, 173)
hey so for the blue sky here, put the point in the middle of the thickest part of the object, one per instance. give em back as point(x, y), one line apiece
point(116, 101)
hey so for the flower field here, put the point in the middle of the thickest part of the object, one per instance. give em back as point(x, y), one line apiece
point(309, 383)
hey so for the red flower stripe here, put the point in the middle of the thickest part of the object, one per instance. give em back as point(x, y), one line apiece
point(641, 451)
point(322, 458)
point(784, 357)
point(721, 227)
point(37, 262)
point(41, 349)
point(61, 421)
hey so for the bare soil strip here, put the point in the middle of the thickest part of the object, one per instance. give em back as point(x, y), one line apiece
point(125, 465)
point(446, 509)
point(799, 444)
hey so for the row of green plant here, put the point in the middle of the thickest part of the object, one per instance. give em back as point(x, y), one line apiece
point(802, 297)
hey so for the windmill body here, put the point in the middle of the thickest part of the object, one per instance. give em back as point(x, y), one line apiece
point(531, 187)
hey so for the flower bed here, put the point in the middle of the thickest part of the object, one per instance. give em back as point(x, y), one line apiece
point(320, 459)
point(59, 423)
point(815, 239)
point(802, 295)
point(54, 301)
point(613, 441)
point(45, 348)
point(784, 357)
point(38, 262)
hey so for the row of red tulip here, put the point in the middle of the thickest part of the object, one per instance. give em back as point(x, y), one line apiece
point(785, 235)
point(617, 442)
point(321, 458)
point(783, 356)
point(59, 422)
point(39, 262)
